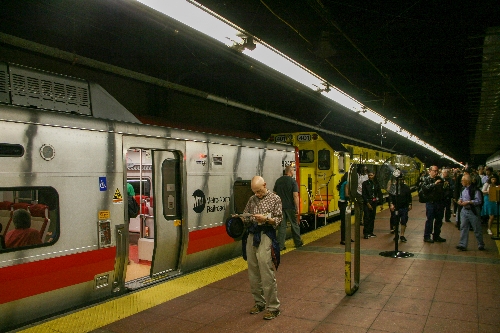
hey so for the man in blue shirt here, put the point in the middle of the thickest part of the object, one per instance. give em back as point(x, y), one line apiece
point(470, 200)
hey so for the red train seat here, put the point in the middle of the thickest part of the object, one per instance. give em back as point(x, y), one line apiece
point(5, 216)
point(40, 218)
point(143, 203)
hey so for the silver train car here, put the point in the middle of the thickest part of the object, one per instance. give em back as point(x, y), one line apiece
point(68, 151)
point(494, 161)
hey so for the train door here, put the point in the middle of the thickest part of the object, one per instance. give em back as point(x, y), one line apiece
point(155, 234)
point(167, 209)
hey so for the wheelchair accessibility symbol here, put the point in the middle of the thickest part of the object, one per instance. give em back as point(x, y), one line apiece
point(102, 184)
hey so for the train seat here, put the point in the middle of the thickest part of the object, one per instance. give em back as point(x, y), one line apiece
point(146, 210)
point(5, 216)
point(40, 218)
point(135, 223)
point(143, 203)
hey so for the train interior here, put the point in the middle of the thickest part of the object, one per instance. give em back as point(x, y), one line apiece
point(141, 227)
point(41, 202)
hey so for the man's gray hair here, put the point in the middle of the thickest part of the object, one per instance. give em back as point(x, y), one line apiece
point(21, 219)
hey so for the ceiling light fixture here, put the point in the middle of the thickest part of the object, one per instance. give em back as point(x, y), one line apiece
point(204, 20)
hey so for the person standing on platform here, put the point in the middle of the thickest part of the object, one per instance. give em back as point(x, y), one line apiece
point(448, 187)
point(470, 200)
point(261, 248)
point(343, 188)
point(456, 193)
point(490, 207)
point(401, 201)
point(287, 189)
point(434, 207)
point(372, 195)
point(391, 190)
point(358, 195)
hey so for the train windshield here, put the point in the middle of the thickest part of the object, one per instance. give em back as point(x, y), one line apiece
point(324, 159)
point(28, 217)
point(306, 156)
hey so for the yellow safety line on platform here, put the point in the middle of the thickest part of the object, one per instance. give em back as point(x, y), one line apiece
point(103, 314)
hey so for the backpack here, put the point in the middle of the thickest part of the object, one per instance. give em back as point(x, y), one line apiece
point(133, 208)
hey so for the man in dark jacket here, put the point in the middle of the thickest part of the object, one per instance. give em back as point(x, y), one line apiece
point(372, 195)
point(288, 190)
point(434, 207)
point(400, 203)
point(448, 187)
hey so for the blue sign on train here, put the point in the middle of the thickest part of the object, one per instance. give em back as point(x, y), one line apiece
point(102, 184)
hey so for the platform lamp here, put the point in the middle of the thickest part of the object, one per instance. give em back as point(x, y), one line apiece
point(397, 174)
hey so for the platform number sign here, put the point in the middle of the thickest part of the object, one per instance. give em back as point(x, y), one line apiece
point(304, 137)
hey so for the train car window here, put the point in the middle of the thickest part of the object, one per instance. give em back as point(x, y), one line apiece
point(29, 217)
point(306, 156)
point(171, 191)
point(324, 159)
point(242, 192)
point(136, 184)
point(11, 150)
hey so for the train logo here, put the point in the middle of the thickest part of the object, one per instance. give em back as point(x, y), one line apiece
point(199, 201)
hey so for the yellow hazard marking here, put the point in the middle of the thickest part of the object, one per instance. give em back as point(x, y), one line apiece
point(117, 197)
point(104, 214)
point(103, 314)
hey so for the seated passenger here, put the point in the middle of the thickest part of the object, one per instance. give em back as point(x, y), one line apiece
point(23, 234)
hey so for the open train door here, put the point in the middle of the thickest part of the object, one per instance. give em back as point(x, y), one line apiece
point(167, 211)
point(155, 235)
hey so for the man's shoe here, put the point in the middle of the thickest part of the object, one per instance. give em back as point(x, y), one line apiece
point(271, 314)
point(342, 242)
point(299, 245)
point(489, 232)
point(366, 237)
point(439, 239)
point(461, 248)
point(428, 240)
point(403, 239)
point(257, 308)
point(373, 235)
point(392, 231)
point(481, 248)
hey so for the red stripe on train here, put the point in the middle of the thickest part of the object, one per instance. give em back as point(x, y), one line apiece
point(37, 277)
point(201, 240)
